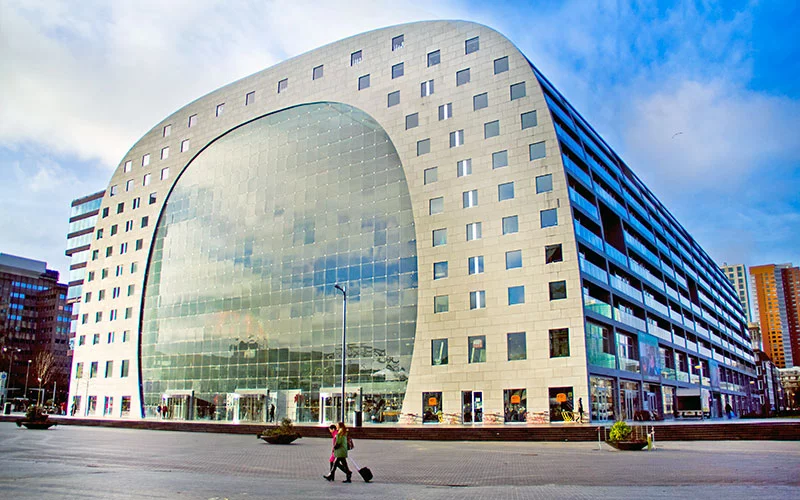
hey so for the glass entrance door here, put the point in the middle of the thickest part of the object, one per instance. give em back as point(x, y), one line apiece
point(472, 407)
point(252, 408)
point(330, 404)
point(177, 407)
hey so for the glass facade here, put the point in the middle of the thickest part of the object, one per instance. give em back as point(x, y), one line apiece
point(240, 309)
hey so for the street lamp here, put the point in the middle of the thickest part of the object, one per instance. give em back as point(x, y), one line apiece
point(700, 387)
point(12, 351)
point(341, 288)
point(26, 379)
point(40, 390)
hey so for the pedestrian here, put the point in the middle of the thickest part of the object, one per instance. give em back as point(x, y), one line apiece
point(332, 430)
point(580, 410)
point(74, 409)
point(340, 452)
point(271, 412)
point(728, 410)
point(158, 410)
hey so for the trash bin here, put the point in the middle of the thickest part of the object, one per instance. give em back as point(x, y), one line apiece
point(359, 418)
point(7, 409)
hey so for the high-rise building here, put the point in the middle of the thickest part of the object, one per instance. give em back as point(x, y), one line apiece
point(501, 262)
point(737, 274)
point(777, 291)
point(34, 329)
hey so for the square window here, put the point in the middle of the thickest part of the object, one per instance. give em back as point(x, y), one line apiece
point(544, 183)
point(192, 121)
point(462, 77)
point(537, 150)
point(152, 199)
point(470, 198)
point(518, 91)
point(165, 173)
point(472, 45)
point(283, 85)
point(446, 111)
point(549, 217)
point(397, 70)
point(393, 99)
point(439, 237)
point(477, 299)
point(165, 153)
point(397, 42)
point(423, 147)
point(146, 160)
point(426, 88)
point(477, 349)
point(431, 175)
point(491, 129)
point(529, 119)
point(559, 343)
point(438, 352)
point(363, 82)
point(356, 58)
point(552, 253)
point(434, 58)
point(412, 120)
point(475, 264)
point(436, 205)
point(514, 259)
point(505, 191)
point(516, 295)
point(558, 290)
point(464, 167)
point(128, 166)
point(480, 101)
point(167, 130)
point(439, 270)
point(184, 145)
point(456, 138)
point(510, 224)
point(517, 346)
point(501, 65)
point(474, 231)
point(146, 180)
point(145, 221)
point(317, 72)
point(500, 159)
point(441, 304)
point(250, 98)
point(219, 110)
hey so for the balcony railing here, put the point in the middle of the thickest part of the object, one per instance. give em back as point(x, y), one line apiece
point(590, 237)
point(594, 271)
point(616, 255)
point(643, 230)
point(629, 365)
point(705, 351)
point(597, 306)
point(658, 306)
point(671, 292)
point(605, 174)
point(682, 376)
point(569, 141)
point(668, 373)
point(691, 346)
point(676, 315)
point(625, 287)
point(612, 202)
point(582, 202)
point(635, 204)
point(630, 320)
point(679, 341)
point(644, 273)
point(645, 252)
point(680, 279)
point(659, 332)
point(577, 171)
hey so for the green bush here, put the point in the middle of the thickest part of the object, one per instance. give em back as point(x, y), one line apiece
point(285, 429)
point(620, 431)
point(35, 412)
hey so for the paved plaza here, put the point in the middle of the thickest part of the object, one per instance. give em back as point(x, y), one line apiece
point(87, 462)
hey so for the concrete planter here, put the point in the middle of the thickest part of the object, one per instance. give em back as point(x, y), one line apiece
point(628, 445)
point(281, 438)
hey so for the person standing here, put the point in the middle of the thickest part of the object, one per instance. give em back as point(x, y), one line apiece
point(340, 452)
point(580, 410)
point(271, 412)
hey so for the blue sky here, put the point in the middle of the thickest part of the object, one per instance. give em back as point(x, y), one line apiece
point(80, 82)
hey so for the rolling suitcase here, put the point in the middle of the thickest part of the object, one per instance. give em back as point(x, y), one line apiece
point(364, 472)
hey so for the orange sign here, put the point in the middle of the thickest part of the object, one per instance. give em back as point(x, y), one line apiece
point(515, 399)
point(433, 401)
point(561, 397)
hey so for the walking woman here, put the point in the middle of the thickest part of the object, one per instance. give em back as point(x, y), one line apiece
point(332, 461)
point(340, 452)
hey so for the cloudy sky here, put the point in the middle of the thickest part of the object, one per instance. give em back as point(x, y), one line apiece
point(82, 81)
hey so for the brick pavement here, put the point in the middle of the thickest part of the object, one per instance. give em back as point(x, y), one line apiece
point(126, 463)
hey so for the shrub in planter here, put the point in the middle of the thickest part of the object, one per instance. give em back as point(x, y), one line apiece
point(285, 433)
point(620, 437)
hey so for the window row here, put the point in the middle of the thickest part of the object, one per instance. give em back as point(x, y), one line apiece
point(516, 347)
point(480, 101)
point(474, 231)
point(104, 273)
point(513, 260)
point(135, 203)
point(111, 337)
point(515, 296)
point(116, 292)
point(124, 368)
point(536, 150)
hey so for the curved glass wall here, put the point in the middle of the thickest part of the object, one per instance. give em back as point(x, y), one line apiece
point(240, 319)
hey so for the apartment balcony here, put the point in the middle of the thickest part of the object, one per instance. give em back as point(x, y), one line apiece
point(659, 332)
point(671, 292)
point(630, 320)
point(588, 236)
point(681, 376)
point(606, 175)
point(705, 351)
point(632, 202)
point(621, 285)
point(597, 306)
point(594, 271)
point(616, 255)
point(701, 330)
point(612, 202)
point(656, 305)
point(680, 279)
point(661, 246)
point(676, 316)
point(686, 302)
point(629, 365)
point(679, 341)
point(645, 252)
point(669, 373)
point(667, 269)
point(643, 230)
point(691, 346)
point(585, 204)
point(564, 137)
point(577, 171)
point(644, 273)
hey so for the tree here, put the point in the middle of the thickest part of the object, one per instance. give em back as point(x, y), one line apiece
point(44, 365)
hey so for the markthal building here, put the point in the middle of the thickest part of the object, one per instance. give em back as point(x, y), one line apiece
point(501, 263)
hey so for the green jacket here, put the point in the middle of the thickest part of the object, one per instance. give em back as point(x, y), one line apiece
point(340, 448)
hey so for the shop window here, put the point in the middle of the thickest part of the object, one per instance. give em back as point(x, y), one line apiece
point(515, 405)
point(558, 290)
point(561, 403)
point(517, 346)
point(553, 253)
point(125, 407)
point(559, 343)
point(431, 407)
point(477, 349)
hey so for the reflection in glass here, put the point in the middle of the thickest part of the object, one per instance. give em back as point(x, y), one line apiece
point(240, 314)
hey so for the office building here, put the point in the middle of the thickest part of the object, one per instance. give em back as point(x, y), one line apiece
point(502, 264)
point(737, 274)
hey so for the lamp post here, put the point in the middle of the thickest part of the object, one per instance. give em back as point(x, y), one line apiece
point(341, 288)
point(11, 352)
point(700, 387)
point(27, 372)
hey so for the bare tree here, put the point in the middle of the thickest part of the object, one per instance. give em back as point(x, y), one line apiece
point(44, 365)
